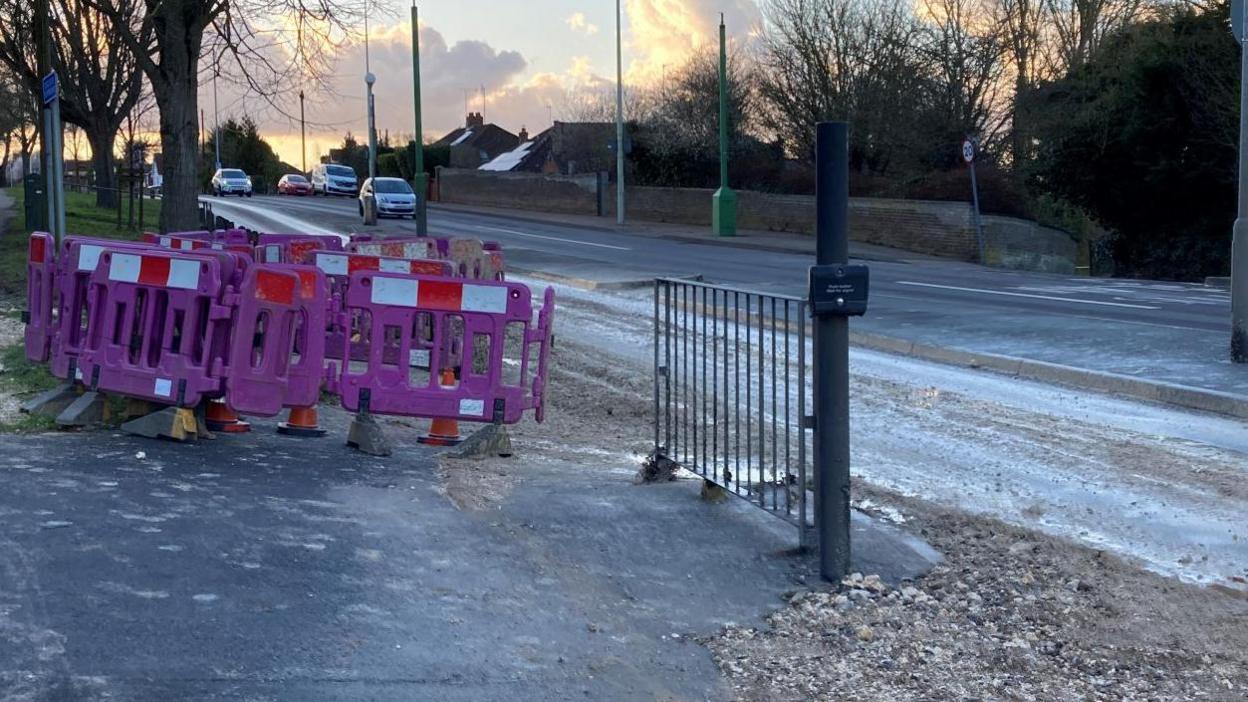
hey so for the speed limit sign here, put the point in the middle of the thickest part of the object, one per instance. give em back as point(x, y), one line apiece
point(968, 150)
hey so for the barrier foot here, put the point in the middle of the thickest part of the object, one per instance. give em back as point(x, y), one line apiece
point(177, 423)
point(87, 409)
point(52, 402)
point(366, 436)
point(301, 422)
point(489, 440)
point(219, 417)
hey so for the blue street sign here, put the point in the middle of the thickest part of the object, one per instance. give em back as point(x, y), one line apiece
point(50, 88)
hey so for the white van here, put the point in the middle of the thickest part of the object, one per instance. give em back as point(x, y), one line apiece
point(334, 179)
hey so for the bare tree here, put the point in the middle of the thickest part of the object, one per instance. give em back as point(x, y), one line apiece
point(856, 60)
point(965, 53)
point(596, 103)
point(97, 72)
point(1078, 26)
point(18, 116)
point(174, 40)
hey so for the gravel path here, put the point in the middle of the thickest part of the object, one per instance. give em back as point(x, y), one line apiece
point(1016, 484)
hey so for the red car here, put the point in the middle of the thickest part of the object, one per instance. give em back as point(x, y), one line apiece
point(294, 184)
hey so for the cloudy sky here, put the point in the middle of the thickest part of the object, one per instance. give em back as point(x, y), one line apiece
point(528, 55)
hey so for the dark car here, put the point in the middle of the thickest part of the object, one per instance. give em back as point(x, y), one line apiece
point(294, 184)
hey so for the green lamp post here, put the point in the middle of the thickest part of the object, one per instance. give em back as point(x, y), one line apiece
point(420, 179)
point(724, 202)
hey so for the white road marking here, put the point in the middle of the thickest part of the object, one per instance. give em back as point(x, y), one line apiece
point(1034, 297)
point(294, 224)
point(551, 238)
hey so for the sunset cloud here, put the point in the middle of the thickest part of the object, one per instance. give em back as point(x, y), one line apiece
point(663, 33)
point(496, 76)
point(578, 24)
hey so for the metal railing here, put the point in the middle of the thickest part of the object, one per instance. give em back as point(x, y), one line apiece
point(730, 397)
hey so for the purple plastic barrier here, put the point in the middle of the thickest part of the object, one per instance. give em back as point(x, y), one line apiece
point(472, 260)
point(332, 242)
point(411, 248)
point(297, 251)
point(152, 326)
point(476, 315)
point(179, 243)
point(224, 237)
point(263, 341)
point(470, 257)
point(75, 266)
point(307, 373)
point(543, 334)
point(339, 266)
point(40, 295)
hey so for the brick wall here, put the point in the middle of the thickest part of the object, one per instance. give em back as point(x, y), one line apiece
point(576, 194)
point(937, 228)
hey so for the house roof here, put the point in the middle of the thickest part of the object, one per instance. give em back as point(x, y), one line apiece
point(585, 144)
point(489, 138)
point(531, 156)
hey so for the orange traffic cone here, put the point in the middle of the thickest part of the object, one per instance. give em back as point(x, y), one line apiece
point(443, 431)
point(301, 422)
point(220, 417)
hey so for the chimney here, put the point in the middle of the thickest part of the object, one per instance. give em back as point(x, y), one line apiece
point(524, 135)
point(474, 120)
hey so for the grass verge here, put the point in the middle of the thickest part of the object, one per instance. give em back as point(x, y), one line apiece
point(81, 217)
point(22, 379)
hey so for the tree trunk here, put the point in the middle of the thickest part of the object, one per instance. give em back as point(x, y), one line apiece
point(176, 90)
point(4, 161)
point(178, 143)
point(104, 165)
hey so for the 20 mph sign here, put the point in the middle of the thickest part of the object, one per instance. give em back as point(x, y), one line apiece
point(968, 151)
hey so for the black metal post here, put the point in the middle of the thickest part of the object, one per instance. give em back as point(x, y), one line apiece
point(832, 355)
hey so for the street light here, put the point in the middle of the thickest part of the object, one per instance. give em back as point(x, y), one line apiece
point(369, 79)
point(216, 117)
point(619, 116)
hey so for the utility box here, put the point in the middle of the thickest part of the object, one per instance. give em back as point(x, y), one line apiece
point(36, 203)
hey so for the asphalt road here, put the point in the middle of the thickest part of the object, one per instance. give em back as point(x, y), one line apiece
point(261, 567)
point(1171, 332)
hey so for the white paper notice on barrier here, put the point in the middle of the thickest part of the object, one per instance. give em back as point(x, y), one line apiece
point(418, 358)
point(164, 387)
point(472, 408)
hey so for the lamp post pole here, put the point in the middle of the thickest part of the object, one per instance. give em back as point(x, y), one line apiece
point(420, 179)
point(216, 118)
point(619, 116)
point(1239, 235)
point(303, 135)
point(724, 202)
point(369, 79)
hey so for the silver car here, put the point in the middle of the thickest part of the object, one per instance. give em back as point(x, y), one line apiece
point(231, 181)
point(394, 197)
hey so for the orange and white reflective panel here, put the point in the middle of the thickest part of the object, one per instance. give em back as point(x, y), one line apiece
point(439, 295)
point(153, 270)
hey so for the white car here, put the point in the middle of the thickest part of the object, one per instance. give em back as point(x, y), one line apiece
point(394, 197)
point(231, 181)
point(333, 179)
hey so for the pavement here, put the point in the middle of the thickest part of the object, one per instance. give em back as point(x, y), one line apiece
point(302, 570)
point(1116, 335)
